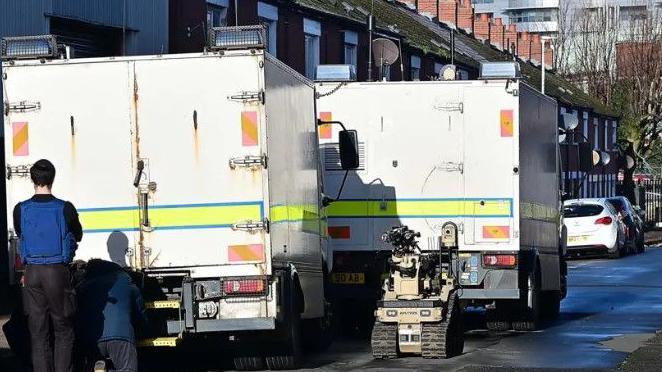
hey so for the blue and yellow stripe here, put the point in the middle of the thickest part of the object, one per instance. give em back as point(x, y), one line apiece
point(180, 216)
point(421, 208)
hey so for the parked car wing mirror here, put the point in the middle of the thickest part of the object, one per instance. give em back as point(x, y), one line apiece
point(349, 149)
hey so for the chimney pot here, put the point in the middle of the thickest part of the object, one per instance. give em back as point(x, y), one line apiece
point(498, 21)
point(512, 28)
point(484, 17)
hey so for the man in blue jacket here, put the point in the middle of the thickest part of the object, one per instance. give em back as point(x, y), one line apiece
point(49, 230)
point(110, 308)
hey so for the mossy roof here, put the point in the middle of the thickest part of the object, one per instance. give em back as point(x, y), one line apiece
point(432, 38)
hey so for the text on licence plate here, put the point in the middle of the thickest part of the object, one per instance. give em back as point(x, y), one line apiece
point(578, 238)
point(348, 278)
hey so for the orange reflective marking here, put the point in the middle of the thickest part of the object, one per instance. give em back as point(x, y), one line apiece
point(506, 123)
point(325, 129)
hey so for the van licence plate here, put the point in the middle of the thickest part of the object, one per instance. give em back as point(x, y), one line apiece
point(348, 278)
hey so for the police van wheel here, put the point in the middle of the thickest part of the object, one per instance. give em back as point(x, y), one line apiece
point(288, 353)
point(530, 304)
point(496, 320)
point(384, 340)
point(249, 363)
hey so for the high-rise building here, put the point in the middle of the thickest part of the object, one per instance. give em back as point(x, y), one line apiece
point(542, 16)
point(535, 16)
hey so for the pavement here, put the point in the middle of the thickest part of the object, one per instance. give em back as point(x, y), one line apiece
point(608, 322)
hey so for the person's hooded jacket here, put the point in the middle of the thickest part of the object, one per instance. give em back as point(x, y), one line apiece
point(109, 304)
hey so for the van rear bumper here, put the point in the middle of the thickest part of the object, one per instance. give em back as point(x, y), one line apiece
point(489, 294)
point(223, 325)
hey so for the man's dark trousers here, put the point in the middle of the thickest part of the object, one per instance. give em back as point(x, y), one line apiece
point(48, 297)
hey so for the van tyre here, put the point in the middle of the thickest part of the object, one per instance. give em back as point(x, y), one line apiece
point(496, 321)
point(384, 340)
point(287, 354)
point(290, 353)
point(249, 363)
point(444, 339)
point(551, 305)
point(530, 304)
point(318, 334)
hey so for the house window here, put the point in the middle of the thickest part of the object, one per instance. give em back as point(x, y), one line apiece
point(386, 73)
point(614, 132)
point(217, 11)
point(585, 122)
point(312, 31)
point(437, 69)
point(607, 135)
point(268, 15)
point(462, 74)
point(351, 41)
point(415, 68)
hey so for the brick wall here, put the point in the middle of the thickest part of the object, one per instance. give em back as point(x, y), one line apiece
point(448, 11)
point(428, 7)
point(497, 33)
point(482, 27)
point(465, 16)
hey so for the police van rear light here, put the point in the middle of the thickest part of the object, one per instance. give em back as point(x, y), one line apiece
point(235, 287)
point(502, 260)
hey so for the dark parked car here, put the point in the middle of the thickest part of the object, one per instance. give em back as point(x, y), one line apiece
point(632, 220)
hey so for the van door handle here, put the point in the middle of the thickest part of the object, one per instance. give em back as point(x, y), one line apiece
point(139, 173)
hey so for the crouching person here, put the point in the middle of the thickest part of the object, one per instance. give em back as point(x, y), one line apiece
point(110, 308)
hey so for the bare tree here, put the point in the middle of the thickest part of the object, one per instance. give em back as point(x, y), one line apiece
point(564, 37)
point(639, 87)
point(594, 45)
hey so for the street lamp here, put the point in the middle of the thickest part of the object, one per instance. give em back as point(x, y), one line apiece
point(542, 60)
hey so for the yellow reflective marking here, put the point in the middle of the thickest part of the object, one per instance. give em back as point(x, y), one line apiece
point(159, 342)
point(169, 217)
point(538, 212)
point(416, 208)
point(307, 214)
point(172, 304)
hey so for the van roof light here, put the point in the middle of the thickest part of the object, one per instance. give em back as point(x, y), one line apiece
point(500, 70)
point(240, 37)
point(29, 47)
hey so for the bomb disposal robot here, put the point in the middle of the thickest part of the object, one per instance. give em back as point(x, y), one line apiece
point(420, 312)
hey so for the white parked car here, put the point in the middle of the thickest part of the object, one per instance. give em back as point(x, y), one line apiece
point(594, 227)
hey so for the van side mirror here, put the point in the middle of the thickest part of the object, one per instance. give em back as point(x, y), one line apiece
point(348, 141)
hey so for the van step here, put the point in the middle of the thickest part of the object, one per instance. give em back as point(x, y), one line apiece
point(167, 304)
point(159, 342)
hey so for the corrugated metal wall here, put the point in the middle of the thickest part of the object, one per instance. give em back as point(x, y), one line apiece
point(152, 16)
point(23, 17)
point(146, 20)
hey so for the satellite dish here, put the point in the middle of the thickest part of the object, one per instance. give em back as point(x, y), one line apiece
point(384, 52)
point(629, 162)
point(596, 158)
point(448, 72)
point(605, 158)
point(570, 121)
